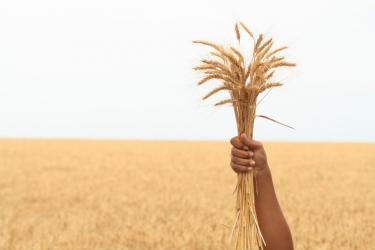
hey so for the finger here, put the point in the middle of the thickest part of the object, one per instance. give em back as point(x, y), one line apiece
point(238, 168)
point(243, 162)
point(242, 153)
point(236, 142)
point(250, 143)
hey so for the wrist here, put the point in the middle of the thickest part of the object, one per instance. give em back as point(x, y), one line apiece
point(264, 171)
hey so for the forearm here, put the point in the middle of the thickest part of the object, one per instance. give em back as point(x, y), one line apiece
point(271, 220)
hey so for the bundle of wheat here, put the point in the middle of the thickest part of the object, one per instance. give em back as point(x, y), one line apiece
point(245, 80)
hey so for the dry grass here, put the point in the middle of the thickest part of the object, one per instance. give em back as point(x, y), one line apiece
point(175, 195)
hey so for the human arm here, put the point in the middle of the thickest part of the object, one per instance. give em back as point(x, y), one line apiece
point(248, 155)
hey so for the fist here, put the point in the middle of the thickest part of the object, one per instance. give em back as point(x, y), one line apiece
point(248, 155)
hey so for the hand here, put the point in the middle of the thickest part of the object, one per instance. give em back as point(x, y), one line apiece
point(247, 155)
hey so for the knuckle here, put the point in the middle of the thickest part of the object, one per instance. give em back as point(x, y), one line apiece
point(246, 154)
point(235, 168)
point(235, 160)
point(231, 140)
point(241, 162)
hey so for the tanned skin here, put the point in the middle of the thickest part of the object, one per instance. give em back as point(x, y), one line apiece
point(249, 154)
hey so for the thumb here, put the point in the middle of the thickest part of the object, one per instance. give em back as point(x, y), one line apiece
point(252, 144)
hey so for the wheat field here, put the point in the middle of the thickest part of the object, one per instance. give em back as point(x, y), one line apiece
point(114, 195)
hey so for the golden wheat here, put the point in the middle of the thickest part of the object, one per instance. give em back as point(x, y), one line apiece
point(137, 195)
point(244, 81)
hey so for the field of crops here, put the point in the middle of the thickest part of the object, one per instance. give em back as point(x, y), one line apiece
point(120, 195)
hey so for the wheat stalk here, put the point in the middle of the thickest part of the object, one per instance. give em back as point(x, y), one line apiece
point(244, 82)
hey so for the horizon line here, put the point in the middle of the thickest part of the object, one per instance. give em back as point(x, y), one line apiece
point(66, 138)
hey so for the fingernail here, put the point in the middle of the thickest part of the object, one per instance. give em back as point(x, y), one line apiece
point(251, 153)
point(252, 162)
point(249, 169)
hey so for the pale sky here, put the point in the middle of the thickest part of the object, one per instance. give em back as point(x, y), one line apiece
point(123, 69)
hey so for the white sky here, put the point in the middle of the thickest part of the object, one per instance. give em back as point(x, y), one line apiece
point(123, 69)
